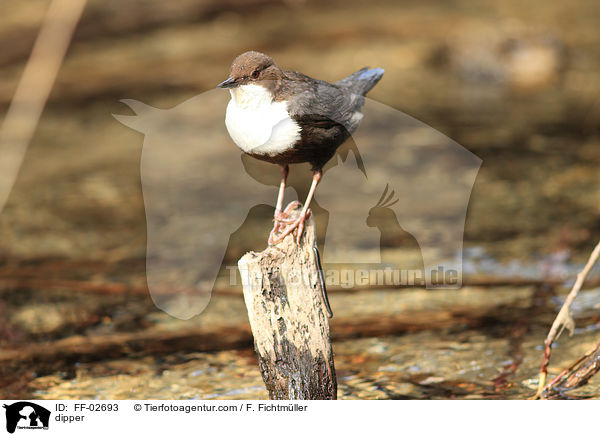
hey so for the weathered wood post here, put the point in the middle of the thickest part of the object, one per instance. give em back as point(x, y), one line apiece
point(288, 318)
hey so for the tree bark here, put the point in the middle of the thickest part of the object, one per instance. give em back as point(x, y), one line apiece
point(288, 317)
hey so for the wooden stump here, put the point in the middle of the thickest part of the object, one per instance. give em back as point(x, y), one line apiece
point(288, 318)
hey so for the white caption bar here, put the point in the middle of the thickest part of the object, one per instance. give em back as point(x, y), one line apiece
point(158, 417)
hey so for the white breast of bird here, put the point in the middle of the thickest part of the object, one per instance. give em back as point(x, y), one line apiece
point(257, 124)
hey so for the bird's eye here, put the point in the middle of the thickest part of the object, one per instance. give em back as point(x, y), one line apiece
point(255, 74)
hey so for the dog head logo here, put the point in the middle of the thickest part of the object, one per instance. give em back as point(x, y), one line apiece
point(199, 190)
point(26, 415)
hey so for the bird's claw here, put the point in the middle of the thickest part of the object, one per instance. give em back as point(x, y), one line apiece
point(290, 207)
point(282, 218)
point(278, 218)
point(296, 223)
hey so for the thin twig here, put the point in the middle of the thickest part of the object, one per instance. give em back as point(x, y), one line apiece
point(34, 87)
point(563, 319)
point(578, 373)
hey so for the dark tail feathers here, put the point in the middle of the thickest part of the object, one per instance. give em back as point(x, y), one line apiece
point(362, 81)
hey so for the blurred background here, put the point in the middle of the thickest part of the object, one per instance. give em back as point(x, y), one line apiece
point(514, 82)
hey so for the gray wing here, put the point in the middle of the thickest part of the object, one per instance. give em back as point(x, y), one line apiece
point(324, 104)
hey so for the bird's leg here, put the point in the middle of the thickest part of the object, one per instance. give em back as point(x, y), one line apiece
point(285, 169)
point(279, 216)
point(304, 214)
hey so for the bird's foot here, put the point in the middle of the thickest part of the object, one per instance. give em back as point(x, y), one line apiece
point(281, 218)
point(290, 207)
point(297, 223)
point(286, 213)
point(278, 218)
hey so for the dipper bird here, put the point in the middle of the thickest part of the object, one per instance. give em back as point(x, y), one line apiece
point(286, 117)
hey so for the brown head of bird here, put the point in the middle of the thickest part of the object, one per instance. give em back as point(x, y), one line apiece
point(252, 67)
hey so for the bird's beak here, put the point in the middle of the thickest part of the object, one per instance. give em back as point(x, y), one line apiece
point(229, 83)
